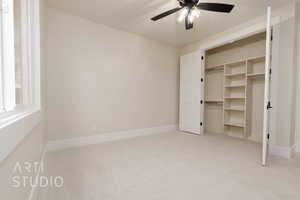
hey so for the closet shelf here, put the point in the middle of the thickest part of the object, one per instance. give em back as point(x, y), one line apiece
point(234, 86)
point(235, 124)
point(257, 59)
point(257, 75)
point(236, 74)
point(234, 109)
point(234, 98)
point(237, 63)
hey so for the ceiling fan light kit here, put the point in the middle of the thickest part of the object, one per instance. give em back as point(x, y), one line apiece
point(190, 10)
point(183, 13)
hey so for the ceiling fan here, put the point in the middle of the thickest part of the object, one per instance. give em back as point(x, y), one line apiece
point(190, 9)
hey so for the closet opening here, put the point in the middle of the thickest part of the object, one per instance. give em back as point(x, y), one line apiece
point(234, 88)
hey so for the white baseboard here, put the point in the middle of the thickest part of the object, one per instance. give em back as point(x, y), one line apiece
point(106, 137)
point(297, 148)
point(34, 190)
point(293, 150)
point(286, 152)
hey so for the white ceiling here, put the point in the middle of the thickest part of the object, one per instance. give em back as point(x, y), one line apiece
point(134, 16)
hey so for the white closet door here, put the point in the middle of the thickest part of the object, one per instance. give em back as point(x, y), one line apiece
point(267, 105)
point(191, 109)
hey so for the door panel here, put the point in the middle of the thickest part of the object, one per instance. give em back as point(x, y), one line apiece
point(190, 92)
point(265, 144)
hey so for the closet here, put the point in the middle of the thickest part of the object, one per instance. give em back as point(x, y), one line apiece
point(226, 85)
point(234, 82)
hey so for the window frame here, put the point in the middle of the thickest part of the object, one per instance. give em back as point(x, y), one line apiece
point(30, 33)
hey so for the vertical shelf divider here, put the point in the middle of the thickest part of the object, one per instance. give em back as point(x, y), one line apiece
point(235, 120)
point(224, 101)
point(246, 115)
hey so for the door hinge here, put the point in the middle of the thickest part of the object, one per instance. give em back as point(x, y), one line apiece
point(269, 106)
point(202, 57)
point(270, 71)
point(272, 35)
point(268, 136)
point(201, 124)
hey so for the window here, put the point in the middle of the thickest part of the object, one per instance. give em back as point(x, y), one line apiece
point(18, 40)
point(19, 71)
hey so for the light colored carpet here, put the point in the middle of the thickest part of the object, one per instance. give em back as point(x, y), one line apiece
point(172, 166)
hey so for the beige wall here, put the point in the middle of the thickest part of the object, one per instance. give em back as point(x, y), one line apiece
point(284, 89)
point(297, 82)
point(101, 80)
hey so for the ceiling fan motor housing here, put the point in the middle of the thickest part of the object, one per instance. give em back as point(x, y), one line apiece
point(188, 3)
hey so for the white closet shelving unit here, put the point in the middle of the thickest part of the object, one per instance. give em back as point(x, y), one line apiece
point(234, 84)
point(238, 78)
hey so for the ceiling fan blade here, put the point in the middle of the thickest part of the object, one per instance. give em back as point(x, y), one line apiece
point(216, 7)
point(162, 15)
point(188, 25)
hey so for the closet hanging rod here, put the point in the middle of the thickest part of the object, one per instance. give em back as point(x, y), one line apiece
point(214, 102)
point(215, 68)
